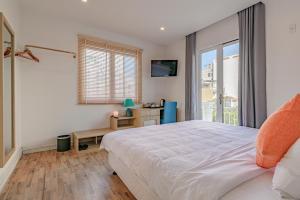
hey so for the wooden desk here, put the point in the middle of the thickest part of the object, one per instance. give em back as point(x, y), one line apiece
point(146, 116)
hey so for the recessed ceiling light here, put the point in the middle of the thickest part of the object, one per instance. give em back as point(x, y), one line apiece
point(84, 1)
point(162, 28)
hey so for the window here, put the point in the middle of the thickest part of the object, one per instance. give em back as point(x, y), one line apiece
point(108, 72)
point(219, 83)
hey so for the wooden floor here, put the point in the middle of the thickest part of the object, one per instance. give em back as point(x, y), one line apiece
point(56, 176)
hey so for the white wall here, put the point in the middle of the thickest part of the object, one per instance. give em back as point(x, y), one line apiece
point(283, 47)
point(11, 11)
point(223, 31)
point(49, 88)
point(283, 51)
point(175, 87)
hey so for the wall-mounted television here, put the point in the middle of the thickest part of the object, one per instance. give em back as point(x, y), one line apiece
point(163, 68)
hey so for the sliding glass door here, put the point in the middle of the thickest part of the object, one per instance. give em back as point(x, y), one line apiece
point(218, 84)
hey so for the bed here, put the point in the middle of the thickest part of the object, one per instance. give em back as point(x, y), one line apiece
point(189, 160)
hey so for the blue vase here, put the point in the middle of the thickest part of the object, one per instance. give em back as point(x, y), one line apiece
point(128, 112)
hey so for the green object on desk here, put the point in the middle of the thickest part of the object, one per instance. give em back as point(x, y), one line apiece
point(127, 104)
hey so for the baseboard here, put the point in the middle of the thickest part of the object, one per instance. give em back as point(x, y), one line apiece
point(27, 150)
point(9, 167)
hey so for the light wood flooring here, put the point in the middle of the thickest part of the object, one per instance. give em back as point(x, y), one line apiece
point(64, 176)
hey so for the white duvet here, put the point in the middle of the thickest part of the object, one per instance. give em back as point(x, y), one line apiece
point(192, 160)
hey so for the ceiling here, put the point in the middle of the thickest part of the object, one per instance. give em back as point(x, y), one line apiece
point(142, 18)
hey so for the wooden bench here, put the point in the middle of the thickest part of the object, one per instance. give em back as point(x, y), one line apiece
point(90, 137)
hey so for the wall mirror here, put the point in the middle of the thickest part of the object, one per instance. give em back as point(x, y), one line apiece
point(7, 130)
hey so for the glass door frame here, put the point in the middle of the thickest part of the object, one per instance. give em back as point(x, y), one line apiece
point(219, 101)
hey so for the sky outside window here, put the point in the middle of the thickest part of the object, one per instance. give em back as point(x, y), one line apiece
point(209, 57)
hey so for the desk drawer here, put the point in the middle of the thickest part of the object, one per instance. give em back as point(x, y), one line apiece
point(150, 120)
point(150, 112)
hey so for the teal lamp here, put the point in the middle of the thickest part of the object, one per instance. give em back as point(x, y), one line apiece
point(127, 104)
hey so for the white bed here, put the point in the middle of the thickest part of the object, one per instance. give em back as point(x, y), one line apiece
point(189, 160)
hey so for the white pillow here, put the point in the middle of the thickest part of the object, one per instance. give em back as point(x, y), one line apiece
point(286, 178)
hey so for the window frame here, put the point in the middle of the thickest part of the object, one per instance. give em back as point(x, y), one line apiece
point(219, 60)
point(114, 48)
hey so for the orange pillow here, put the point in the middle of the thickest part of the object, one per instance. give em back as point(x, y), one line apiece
point(278, 133)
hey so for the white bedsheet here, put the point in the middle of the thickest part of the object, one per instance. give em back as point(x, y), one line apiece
point(188, 160)
point(258, 188)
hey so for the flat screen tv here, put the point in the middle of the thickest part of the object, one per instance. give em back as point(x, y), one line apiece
point(163, 68)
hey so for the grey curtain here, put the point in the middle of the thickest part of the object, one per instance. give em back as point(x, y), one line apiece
point(252, 69)
point(190, 72)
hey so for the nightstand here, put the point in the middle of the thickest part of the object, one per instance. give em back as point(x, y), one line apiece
point(118, 123)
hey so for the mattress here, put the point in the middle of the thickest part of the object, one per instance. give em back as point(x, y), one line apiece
point(187, 160)
point(258, 188)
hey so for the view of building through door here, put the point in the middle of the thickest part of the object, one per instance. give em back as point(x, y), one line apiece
point(209, 85)
point(219, 83)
